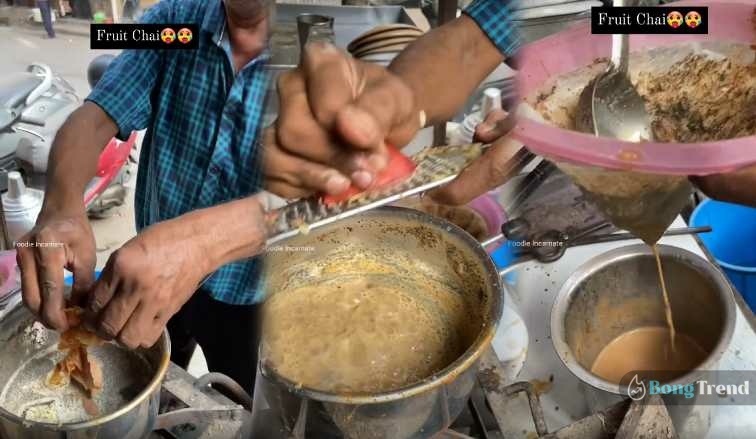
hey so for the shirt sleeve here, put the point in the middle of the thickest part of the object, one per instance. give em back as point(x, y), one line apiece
point(124, 91)
point(495, 18)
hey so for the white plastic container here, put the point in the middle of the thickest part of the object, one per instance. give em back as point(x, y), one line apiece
point(21, 206)
point(463, 133)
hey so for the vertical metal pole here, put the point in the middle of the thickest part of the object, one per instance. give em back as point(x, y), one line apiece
point(439, 134)
point(447, 11)
point(116, 14)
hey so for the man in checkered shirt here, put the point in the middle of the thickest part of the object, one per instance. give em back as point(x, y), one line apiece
point(196, 211)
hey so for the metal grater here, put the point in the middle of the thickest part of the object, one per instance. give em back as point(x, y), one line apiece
point(435, 167)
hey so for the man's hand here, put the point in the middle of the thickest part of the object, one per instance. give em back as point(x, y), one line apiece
point(335, 116)
point(735, 187)
point(490, 171)
point(145, 282)
point(59, 240)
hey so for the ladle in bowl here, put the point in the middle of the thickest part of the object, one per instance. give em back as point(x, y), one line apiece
point(610, 106)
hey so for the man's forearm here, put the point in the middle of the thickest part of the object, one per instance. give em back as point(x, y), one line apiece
point(74, 156)
point(735, 187)
point(445, 66)
point(229, 232)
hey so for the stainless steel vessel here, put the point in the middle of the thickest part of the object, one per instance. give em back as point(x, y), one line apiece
point(419, 410)
point(618, 291)
point(24, 349)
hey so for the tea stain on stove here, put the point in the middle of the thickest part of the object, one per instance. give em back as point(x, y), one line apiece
point(489, 379)
point(542, 386)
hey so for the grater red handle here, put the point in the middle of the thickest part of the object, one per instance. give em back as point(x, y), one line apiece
point(399, 168)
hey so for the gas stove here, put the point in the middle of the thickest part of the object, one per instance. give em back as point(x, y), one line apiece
point(189, 410)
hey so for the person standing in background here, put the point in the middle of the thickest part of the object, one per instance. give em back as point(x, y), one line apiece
point(46, 12)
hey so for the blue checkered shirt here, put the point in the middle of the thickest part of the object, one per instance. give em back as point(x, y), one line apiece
point(202, 125)
point(494, 17)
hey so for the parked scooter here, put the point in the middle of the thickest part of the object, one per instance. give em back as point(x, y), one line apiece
point(33, 106)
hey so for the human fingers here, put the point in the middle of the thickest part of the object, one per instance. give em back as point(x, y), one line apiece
point(383, 112)
point(333, 80)
point(117, 312)
point(296, 130)
point(734, 187)
point(291, 176)
point(102, 293)
point(50, 259)
point(139, 326)
point(29, 279)
point(158, 327)
point(502, 161)
point(496, 125)
point(82, 267)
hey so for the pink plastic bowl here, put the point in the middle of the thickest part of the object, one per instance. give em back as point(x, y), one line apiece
point(7, 272)
point(491, 211)
point(577, 47)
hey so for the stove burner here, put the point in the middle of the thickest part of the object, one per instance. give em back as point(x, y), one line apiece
point(189, 409)
point(487, 411)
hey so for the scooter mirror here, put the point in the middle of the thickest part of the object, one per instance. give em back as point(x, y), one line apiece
point(97, 68)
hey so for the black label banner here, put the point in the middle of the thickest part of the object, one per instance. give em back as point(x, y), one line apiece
point(677, 20)
point(173, 36)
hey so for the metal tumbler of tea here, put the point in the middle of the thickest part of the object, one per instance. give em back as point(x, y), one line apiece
point(312, 27)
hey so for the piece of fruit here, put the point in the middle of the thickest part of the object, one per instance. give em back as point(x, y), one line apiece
point(77, 363)
point(398, 169)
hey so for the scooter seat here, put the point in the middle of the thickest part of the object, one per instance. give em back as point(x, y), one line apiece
point(15, 88)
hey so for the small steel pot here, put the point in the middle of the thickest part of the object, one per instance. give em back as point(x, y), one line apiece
point(618, 291)
point(134, 420)
point(420, 410)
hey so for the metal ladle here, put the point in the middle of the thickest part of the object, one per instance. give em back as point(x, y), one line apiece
point(610, 106)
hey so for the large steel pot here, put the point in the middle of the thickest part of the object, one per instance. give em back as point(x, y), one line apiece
point(618, 291)
point(24, 350)
point(431, 245)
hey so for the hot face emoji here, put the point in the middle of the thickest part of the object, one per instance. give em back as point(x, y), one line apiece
point(692, 19)
point(674, 19)
point(168, 35)
point(184, 35)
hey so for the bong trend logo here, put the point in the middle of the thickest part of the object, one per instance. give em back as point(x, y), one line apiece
point(636, 390)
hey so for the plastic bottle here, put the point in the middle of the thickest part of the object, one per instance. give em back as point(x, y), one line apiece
point(465, 131)
point(21, 206)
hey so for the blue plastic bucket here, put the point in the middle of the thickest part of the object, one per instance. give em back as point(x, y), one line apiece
point(503, 256)
point(68, 280)
point(732, 242)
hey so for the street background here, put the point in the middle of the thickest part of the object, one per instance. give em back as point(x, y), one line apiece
point(68, 55)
